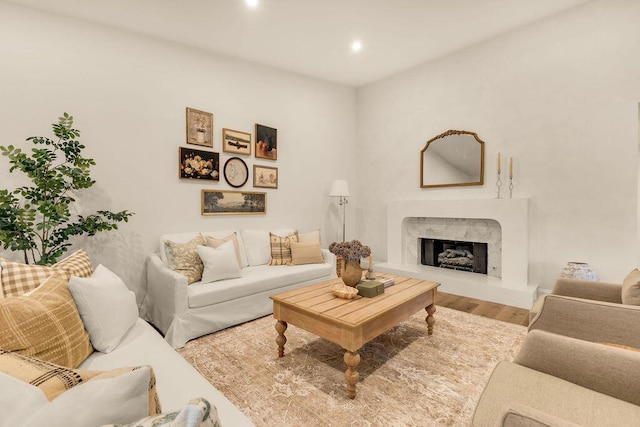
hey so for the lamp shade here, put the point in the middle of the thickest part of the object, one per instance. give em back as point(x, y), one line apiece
point(339, 188)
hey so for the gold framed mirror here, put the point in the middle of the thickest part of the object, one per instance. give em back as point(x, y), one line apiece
point(454, 158)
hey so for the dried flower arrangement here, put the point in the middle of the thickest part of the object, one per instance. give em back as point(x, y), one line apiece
point(351, 251)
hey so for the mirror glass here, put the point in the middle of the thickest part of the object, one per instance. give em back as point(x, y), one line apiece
point(453, 158)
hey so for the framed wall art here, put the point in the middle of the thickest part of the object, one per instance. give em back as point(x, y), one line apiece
point(236, 142)
point(199, 127)
point(198, 164)
point(236, 172)
point(265, 176)
point(266, 142)
point(231, 202)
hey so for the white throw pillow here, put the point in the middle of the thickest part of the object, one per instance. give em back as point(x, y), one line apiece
point(121, 399)
point(107, 307)
point(219, 263)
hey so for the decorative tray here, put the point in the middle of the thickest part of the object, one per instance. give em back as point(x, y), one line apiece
point(344, 291)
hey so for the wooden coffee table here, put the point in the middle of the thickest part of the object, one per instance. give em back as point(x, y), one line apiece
point(351, 323)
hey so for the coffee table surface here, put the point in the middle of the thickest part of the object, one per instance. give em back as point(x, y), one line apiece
point(351, 323)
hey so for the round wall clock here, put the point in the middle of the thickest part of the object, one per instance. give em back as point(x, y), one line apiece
point(236, 172)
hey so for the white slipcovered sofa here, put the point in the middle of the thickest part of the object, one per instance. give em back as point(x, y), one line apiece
point(183, 312)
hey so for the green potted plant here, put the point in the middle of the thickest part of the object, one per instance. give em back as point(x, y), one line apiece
point(36, 219)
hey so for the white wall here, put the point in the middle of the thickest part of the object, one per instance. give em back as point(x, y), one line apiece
point(128, 94)
point(561, 97)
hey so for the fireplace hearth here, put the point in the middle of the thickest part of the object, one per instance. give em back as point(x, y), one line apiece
point(454, 255)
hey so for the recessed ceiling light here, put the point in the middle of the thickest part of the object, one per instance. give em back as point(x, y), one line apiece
point(356, 46)
point(251, 3)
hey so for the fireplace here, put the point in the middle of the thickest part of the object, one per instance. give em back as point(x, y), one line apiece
point(454, 255)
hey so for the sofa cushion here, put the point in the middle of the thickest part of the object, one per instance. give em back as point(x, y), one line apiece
point(631, 288)
point(219, 263)
point(53, 380)
point(183, 258)
point(106, 306)
point(280, 248)
point(215, 242)
point(122, 398)
point(254, 280)
point(511, 383)
point(45, 324)
point(306, 253)
point(17, 278)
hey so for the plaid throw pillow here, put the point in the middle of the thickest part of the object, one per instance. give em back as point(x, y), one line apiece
point(18, 279)
point(281, 248)
point(54, 380)
point(45, 324)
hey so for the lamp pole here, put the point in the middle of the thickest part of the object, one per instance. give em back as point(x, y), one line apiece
point(343, 202)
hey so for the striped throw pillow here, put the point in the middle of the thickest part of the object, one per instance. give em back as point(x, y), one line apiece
point(281, 248)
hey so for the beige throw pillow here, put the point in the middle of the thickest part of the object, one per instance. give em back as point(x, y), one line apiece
point(281, 248)
point(311, 237)
point(631, 288)
point(184, 259)
point(45, 324)
point(306, 253)
point(214, 243)
point(54, 380)
point(18, 279)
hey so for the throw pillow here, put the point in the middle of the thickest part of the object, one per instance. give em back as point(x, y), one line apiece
point(214, 243)
point(306, 253)
point(311, 237)
point(281, 248)
point(219, 263)
point(183, 258)
point(122, 399)
point(631, 288)
point(198, 413)
point(18, 279)
point(107, 307)
point(53, 380)
point(45, 324)
point(256, 243)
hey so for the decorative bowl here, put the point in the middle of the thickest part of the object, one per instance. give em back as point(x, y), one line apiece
point(344, 291)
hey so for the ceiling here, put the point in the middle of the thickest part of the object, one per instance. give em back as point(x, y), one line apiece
point(314, 37)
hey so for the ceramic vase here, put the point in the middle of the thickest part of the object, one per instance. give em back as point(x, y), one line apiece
point(579, 270)
point(351, 272)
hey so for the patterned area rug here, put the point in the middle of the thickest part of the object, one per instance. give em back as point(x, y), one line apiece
point(407, 378)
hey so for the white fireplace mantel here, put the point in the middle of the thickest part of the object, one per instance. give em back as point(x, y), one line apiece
point(513, 217)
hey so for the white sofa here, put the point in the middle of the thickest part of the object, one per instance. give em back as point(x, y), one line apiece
point(177, 381)
point(183, 312)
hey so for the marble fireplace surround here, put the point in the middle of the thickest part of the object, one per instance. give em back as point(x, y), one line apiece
point(512, 215)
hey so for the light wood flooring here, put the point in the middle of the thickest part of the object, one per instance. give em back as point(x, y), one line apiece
point(492, 310)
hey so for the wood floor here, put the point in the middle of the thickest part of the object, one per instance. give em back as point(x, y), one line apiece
point(506, 313)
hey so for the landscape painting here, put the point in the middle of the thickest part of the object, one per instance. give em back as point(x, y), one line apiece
point(225, 202)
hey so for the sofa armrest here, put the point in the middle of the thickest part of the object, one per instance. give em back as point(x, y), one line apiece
point(167, 295)
point(329, 258)
point(589, 320)
point(605, 369)
point(524, 416)
point(599, 291)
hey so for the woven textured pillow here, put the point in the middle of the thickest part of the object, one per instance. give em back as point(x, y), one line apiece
point(281, 248)
point(18, 279)
point(45, 324)
point(184, 259)
point(306, 253)
point(54, 379)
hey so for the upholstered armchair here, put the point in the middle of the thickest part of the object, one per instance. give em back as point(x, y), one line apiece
point(591, 311)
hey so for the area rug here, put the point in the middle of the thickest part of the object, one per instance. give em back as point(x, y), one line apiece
point(407, 378)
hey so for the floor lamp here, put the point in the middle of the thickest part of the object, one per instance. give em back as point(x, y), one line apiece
point(340, 189)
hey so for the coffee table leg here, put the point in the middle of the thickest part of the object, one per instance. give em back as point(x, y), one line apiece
point(281, 339)
point(430, 319)
point(352, 359)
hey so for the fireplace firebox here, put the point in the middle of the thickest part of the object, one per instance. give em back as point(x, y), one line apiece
point(454, 254)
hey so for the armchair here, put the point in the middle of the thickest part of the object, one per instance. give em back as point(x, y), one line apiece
point(561, 381)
